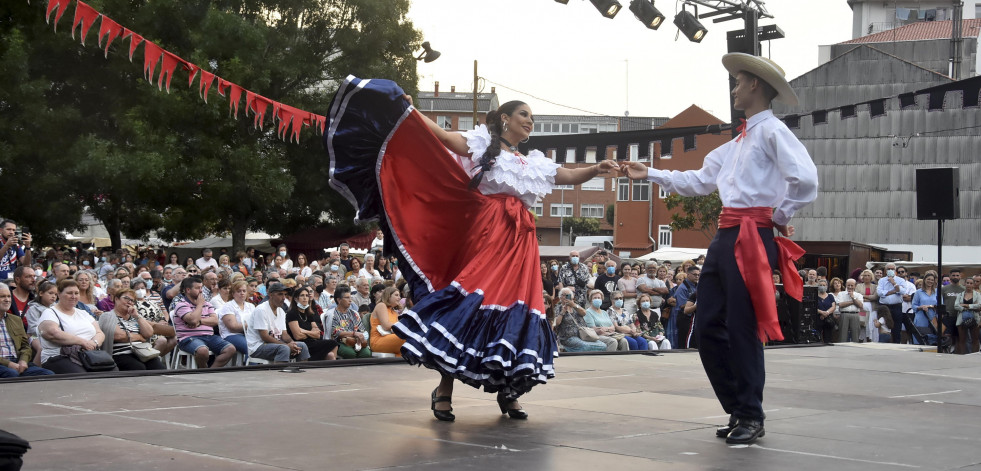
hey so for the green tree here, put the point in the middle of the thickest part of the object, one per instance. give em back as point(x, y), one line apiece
point(582, 226)
point(699, 213)
point(143, 160)
point(611, 214)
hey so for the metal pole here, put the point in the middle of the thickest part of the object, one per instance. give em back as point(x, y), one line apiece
point(562, 216)
point(749, 45)
point(474, 94)
point(941, 307)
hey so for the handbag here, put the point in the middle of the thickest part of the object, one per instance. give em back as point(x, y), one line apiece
point(91, 360)
point(967, 319)
point(587, 334)
point(143, 350)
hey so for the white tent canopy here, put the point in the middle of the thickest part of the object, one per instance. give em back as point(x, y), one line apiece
point(674, 254)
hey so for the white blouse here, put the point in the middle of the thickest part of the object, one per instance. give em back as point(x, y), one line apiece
point(529, 177)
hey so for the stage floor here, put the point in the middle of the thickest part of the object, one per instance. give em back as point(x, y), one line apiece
point(844, 407)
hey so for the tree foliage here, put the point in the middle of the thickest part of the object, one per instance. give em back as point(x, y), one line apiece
point(582, 226)
point(81, 131)
point(699, 213)
point(611, 214)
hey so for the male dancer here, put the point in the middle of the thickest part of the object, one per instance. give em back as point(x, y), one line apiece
point(763, 176)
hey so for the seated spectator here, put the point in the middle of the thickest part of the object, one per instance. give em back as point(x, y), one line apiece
point(624, 322)
point(209, 285)
point(232, 314)
point(128, 326)
point(368, 270)
point(304, 325)
point(173, 290)
point(343, 323)
point(25, 282)
point(222, 295)
point(106, 304)
point(384, 268)
point(569, 320)
point(173, 262)
point(65, 325)
point(882, 320)
point(195, 321)
point(47, 294)
point(967, 306)
point(302, 267)
point(206, 262)
point(382, 339)
point(16, 354)
point(266, 330)
point(649, 324)
point(549, 311)
point(164, 336)
point(86, 287)
point(363, 295)
point(254, 296)
point(241, 264)
point(600, 321)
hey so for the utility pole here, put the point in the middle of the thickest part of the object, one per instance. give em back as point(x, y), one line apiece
point(474, 94)
point(956, 40)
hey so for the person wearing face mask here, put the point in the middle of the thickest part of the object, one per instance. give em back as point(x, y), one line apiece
point(164, 336)
point(891, 289)
point(624, 323)
point(305, 326)
point(575, 275)
point(606, 282)
point(827, 318)
point(598, 319)
point(569, 319)
point(649, 324)
point(286, 262)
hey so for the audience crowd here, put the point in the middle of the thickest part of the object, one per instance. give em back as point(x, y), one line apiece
point(143, 307)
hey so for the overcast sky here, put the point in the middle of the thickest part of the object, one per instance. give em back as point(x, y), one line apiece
point(571, 55)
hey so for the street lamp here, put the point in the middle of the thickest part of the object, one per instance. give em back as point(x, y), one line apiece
point(428, 54)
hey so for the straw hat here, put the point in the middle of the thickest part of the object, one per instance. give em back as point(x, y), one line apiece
point(766, 70)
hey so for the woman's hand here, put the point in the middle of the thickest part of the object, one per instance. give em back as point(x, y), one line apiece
point(786, 230)
point(89, 345)
point(408, 98)
point(606, 166)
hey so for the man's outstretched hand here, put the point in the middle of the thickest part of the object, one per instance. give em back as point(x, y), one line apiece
point(634, 170)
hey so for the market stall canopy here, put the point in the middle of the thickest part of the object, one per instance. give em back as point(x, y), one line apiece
point(674, 254)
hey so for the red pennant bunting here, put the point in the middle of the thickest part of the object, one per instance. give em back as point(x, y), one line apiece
point(61, 5)
point(192, 71)
point(151, 56)
point(134, 41)
point(289, 116)
point(167, 67)
point(320, 121)
point(258, 105)
point(109, 29)
point(85, 15)
point(207, 78)
point(234, 94)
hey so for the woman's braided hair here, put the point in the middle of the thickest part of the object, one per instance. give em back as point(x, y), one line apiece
point(495, 126)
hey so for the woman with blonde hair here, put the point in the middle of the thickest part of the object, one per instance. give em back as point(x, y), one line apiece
point(867, 288)
point(380, 338)
point(86, 289)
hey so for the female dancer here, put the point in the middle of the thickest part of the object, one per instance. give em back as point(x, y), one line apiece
point(456, 206)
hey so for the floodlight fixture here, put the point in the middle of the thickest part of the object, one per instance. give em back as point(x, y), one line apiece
point(690, 26)
point(647, 13)
point(564, 2)
point(607, 8)
point(428, 54)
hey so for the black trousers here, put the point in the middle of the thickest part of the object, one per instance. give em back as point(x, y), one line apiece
point(129, 362)
point(728, 345)
point(684, 330)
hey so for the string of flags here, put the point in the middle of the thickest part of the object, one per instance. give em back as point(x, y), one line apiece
point(289, 120)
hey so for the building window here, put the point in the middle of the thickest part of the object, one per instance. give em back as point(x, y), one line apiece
point(574, 128)
point(552, 154)
point(570, 155)
point(445, 122)
point(538, 127)
point(591, 211)
point(560, 210)
point(633, 151)
point(590, 155)
point(661, 193)
point(565, 187)
point(665, 156)
point(642, 191)
point(465, 124)
point(623, 189)
point(594, 184)
point(538, 209)
point(663, 236)
point(565, 128)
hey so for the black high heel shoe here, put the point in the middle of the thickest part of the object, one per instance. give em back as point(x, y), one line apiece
point(444, 415)
point(504, 402)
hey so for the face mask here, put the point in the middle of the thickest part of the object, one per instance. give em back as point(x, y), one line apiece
point(597, 303)
point(103, 259)
point(395, 263)
point(38, 273)
point(645, 305)
point(402, 302)
point(618, 303)
point(574, 260)
point(282, 253)
point(610, 270)
point(140, 293)
point(333, 268)
point(822, 289)
point(890, 273)
point(303, 307)
point(555, 268)
point(85, 262)
point(149, 284)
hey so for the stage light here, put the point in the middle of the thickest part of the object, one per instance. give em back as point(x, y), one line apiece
point(607, 8)
point(428, 54)
point(564, 2)
point(647, 13)
point(689, 25)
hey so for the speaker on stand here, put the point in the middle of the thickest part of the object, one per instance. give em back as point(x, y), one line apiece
point(938, 198)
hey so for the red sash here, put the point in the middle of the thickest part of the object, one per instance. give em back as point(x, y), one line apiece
point(755, 267)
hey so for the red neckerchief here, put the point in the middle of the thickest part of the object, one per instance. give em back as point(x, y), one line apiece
point(741, 129)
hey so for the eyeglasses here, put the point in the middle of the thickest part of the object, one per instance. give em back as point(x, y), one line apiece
point(127, 299)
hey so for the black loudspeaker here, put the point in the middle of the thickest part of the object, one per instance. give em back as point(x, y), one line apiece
point(938, 193)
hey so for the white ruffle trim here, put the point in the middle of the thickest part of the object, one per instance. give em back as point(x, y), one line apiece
point(532, 174)
point(478, 139)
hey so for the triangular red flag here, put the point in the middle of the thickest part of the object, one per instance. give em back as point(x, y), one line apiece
point(151, 56)
point(319, 121)
point(258, 104)
point(192, 72)
point(109, 29)
point(204, 86)
point(234, 94)
point(167, 67)
point(85, 15)
point(134, 41)
point(61, 5)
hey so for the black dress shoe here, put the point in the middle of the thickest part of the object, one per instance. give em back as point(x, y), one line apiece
point(444, 415)
point(746, 432)
point(505, 404)
point(723, 432)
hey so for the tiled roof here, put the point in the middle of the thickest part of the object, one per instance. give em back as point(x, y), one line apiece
point(921, 30)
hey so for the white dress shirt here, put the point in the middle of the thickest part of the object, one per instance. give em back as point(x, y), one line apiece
point(768, 167)
point(885, 286)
